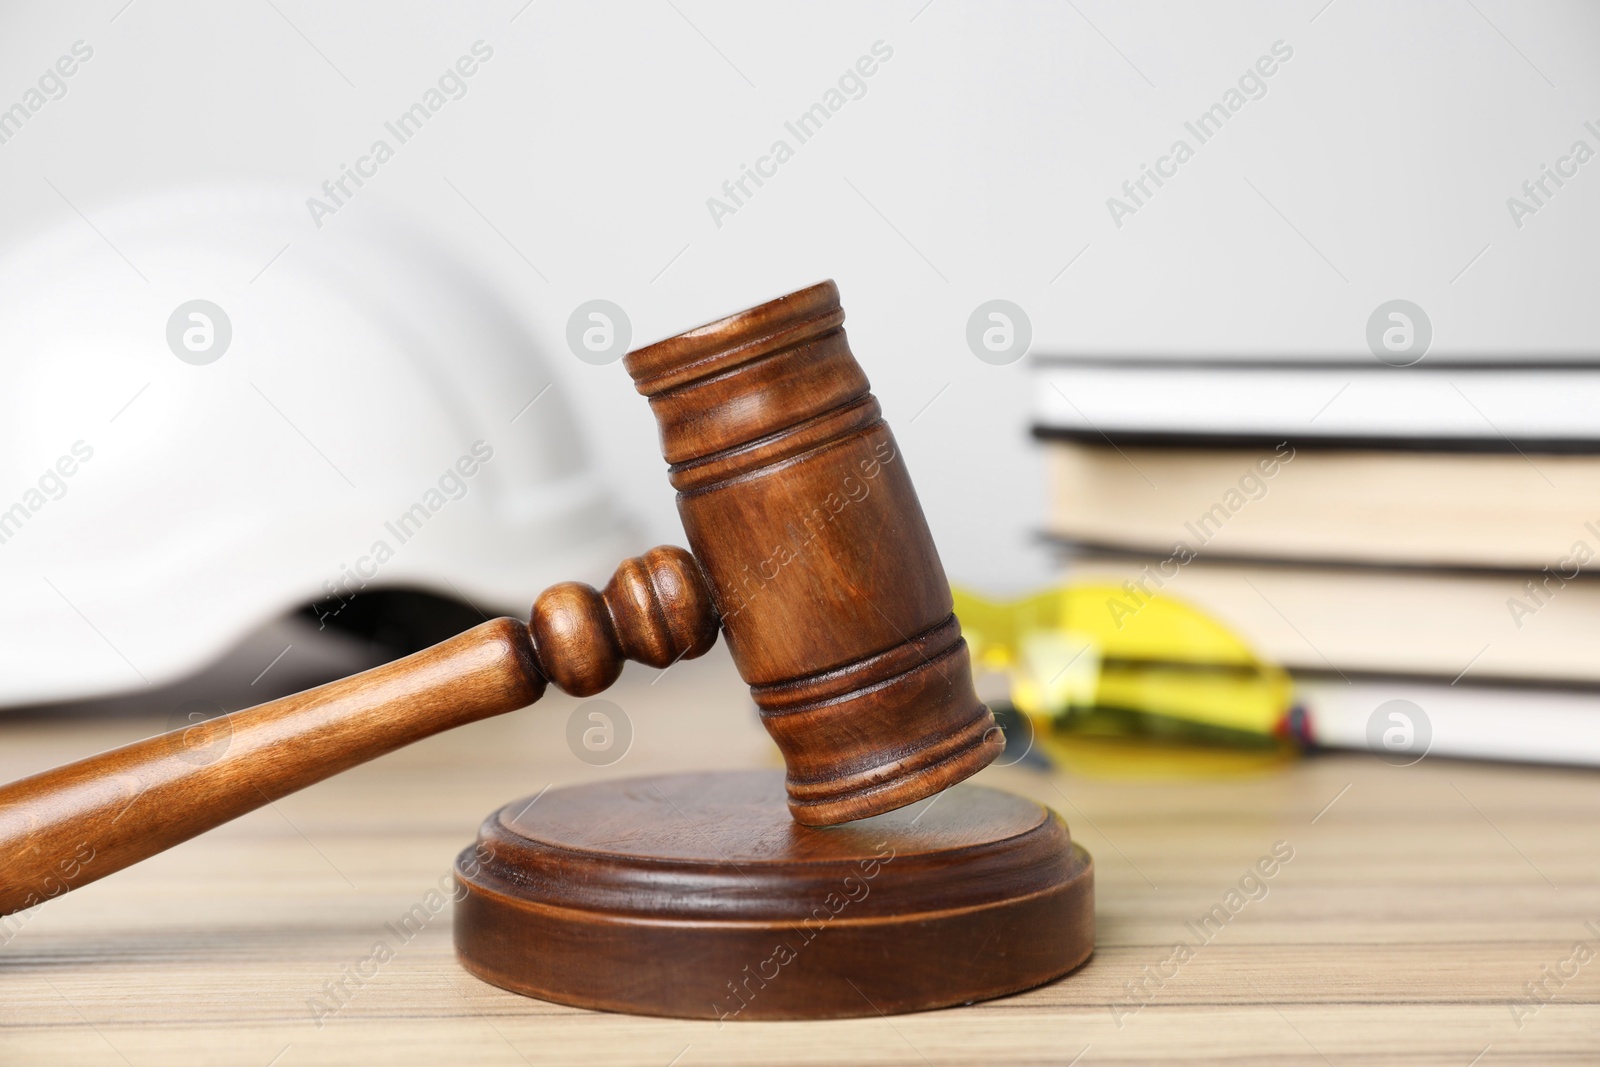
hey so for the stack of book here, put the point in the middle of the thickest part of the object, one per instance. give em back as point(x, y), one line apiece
point(1429, 533)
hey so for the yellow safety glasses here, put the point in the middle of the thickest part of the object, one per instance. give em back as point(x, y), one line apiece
point(1120, 687)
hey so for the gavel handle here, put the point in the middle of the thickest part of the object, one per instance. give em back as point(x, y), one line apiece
point(76, 824)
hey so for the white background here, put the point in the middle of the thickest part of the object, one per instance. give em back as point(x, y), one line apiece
point(977, 166)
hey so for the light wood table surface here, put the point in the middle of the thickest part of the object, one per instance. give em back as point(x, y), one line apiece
point(1417, 906)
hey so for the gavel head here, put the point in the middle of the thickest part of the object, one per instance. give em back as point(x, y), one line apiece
point(798, 506)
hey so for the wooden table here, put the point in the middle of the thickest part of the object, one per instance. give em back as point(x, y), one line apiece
point(1418, 904)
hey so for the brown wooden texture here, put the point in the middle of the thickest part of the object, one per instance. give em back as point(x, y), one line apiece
point(695, 895)
point(797, 502)
point(1406, 929)
point(75, 824)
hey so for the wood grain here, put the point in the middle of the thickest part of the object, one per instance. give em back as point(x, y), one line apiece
point(1399, 933)
point(696, 896)
point(798, 504)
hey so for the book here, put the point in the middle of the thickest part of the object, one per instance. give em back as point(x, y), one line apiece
point(1353, 621)
point(1531, 406)
point(1464, 721)
point(1343, 516)
point(1427, 534)
point(1479, 511)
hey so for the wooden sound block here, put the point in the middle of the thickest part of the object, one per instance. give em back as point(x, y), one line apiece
point(696, 895)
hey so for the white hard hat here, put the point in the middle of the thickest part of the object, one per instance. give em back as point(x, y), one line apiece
point(347, 413)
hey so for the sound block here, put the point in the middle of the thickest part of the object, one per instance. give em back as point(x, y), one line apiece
point(697, 896)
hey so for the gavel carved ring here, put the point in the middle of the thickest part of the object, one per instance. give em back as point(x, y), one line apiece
point(810, 551)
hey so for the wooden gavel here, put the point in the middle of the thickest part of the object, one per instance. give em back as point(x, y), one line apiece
point(809, 546)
